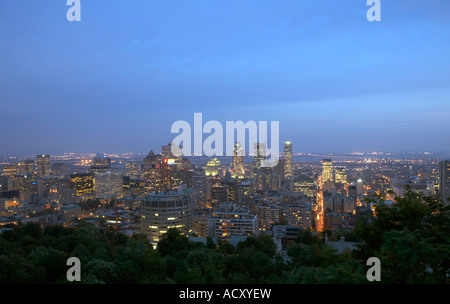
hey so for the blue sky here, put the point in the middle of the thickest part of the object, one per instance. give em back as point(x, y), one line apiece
point(116, 81)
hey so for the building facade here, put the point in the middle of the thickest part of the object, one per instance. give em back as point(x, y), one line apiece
point(165, 210)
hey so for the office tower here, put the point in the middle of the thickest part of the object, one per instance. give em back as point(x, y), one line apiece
point(327, 174)
point(304, 184)
point(108, 184)
point(25, 167)
point(203, 187)
point(162, 211)
point(213, 168)
point(231, 220)
point(444, 181)
point(43, 165)
point(359, 186)
point(259, 155)
point(9, 170)
point(82, 183)
point(219, 194)
point(340, 175)
point(288, 158)
point(150, 168)
point(352, 192)
point(237, 168)
point(259, 173)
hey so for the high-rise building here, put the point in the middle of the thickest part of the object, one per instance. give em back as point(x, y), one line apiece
point(340, 175)
point(259, 155)
point(43, 165)
point(9, 170)
point(359, 186)
point(444, 181)
point(151, 169)
point(213, 168)
point(164, 210)
point(288, 157)
point(304, 184)
point(327, 174)
point(203, 187)
point(237, 167)
point(259, 173)
point(25, 166)
point(108, 184)
point(82, 183)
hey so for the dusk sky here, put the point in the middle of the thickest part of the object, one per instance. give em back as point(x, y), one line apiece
point(116, 81)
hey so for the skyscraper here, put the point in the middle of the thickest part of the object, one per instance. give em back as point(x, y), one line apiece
point(237, 168)
point(288, 157)
point(340, 175)
point(444, 181)
point(151, 170)
point(162, 211)
point(259, 155)
point(259, 173)
point(327, 174)
point(213, 168)
point(43, 165)
point(359, 186)
point(108, 184)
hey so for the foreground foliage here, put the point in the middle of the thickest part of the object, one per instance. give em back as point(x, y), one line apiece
point(411, 238)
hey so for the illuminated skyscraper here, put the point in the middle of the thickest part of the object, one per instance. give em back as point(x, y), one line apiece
point(340, 175)
point(213, 168)
point(162, 211)
point(83, 183)
point(327, 174)
point(43, 165)
point(288, 157)
point(237, 168)
point(444, 181)
point(151, 169)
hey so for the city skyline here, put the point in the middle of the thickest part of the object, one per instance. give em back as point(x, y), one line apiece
point(117, 80)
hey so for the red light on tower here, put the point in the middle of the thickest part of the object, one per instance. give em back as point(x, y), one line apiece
point(165, 160)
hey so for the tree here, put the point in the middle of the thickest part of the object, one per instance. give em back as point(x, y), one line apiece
point(411, 238)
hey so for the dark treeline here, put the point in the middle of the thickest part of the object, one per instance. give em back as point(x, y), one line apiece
point(412, 240)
